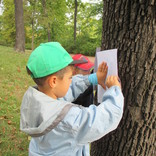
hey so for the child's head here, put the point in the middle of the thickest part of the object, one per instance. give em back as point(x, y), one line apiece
point(83, 68)
point(49, 67)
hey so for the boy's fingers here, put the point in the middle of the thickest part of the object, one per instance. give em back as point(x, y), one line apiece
point(100, 67)
point(106, 69)
point(104, 66)
point(103, 86)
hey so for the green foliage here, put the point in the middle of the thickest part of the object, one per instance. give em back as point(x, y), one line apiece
point(8, 23)
point(84, 45)
point(56, 18)
point(89, 29)
point(13, 83)
point(44, 16)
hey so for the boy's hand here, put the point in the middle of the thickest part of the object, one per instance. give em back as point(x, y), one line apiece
point(113, 81)
point(102, 73)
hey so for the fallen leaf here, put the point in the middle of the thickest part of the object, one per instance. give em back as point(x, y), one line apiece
point(21, 148)
point(5, 117)
point(9, 122)
point(3, 130)
point(19, 70)
point(1, 117)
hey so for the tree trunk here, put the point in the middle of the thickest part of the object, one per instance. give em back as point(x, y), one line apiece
point(33, 3)
point(130, 27)
point(32, 40)
point(49, 32)
point(75, 21)
point(20, 34)
point(48, 28)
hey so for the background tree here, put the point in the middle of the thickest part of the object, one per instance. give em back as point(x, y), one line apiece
point(19, 23)
point(7, 35)
point(30, 22)
point(45, 15)
point(89, 27)
point(48, 18)
point(54, 21)
point(75, 21)
point(130, 26)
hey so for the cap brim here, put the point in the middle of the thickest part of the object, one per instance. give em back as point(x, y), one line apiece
point(78, 61)
point(85, 66)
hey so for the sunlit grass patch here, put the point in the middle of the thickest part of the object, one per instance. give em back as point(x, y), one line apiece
point(14, 81)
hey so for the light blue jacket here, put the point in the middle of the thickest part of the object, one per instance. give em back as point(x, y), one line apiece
point(60, 128)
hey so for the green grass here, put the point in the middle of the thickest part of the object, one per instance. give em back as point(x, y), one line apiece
point(14, 81)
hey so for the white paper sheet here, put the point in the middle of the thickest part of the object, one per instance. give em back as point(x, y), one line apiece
point(109, 56)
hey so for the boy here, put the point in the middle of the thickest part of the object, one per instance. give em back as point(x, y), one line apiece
point(58, 127)
point(82, 68)
point(86, 98)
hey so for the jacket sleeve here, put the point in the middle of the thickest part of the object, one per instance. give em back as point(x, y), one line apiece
point(79, 84)
point(92, 123)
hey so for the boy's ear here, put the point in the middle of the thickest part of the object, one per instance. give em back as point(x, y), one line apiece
point(52, 81)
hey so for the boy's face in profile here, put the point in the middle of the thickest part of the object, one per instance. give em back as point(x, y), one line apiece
point(63, 84)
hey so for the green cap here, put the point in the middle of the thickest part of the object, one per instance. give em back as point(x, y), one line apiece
point(47, 59)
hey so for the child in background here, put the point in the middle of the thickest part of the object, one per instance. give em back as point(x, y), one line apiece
point(58, 127)
point(86, 98)
point(82, 68)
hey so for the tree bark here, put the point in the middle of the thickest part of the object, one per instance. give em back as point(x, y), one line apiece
point(32, 38)
point(75, 21)
point(19, 23)
point(33, 3)
point(130, 27)
point(49, 32)
point(48, 26)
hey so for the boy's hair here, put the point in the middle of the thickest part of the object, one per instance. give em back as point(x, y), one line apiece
point(41, 81)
